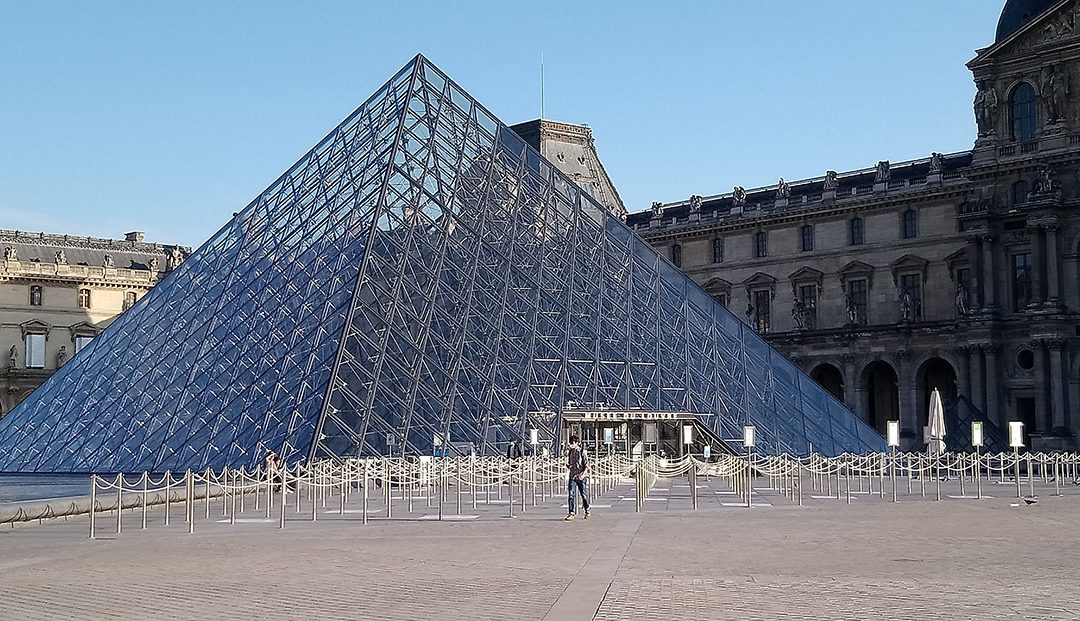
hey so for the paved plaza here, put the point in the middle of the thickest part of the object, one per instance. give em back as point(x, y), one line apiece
point(960, 558)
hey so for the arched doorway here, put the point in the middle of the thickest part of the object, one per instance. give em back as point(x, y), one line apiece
point(934, 373)
point(881, 397)
point(830, 378)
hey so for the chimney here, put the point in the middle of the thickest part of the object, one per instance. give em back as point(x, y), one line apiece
point(134, 236)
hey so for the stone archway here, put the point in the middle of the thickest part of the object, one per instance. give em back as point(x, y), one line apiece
point(880, 395)
point(830, 378)
point(934, 373)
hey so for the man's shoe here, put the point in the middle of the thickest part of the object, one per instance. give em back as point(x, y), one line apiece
point(586, 514)
point(569, 518)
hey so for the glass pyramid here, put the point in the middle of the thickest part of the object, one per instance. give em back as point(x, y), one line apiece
point(421, 275)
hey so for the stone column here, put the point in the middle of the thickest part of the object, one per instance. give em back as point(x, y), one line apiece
point(851, 388)
point(987, 276)
point(993, 386)
point(1043, 421)
point(905, 391)
point(1038, 260)
point(978, 394)
point(1053, 277)
point(1057, 386)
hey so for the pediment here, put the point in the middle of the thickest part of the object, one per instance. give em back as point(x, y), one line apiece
point(83, 328)
point(716, 285)
point(856, 269)
point(34, 326)
point(760, 279)
point(807, 273)
point(909, 263)
point(1059, 23)
point(959, 256)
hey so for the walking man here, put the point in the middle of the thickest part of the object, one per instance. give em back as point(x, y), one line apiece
point(577, 464)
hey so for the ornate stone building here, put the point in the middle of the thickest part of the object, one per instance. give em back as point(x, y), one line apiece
point(957, 271)
point(57, 292)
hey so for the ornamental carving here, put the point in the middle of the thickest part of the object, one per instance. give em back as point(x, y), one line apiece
point(738, 196)
point(986, 109)
point(695, 204)
point(783, 189)
point(831, 183)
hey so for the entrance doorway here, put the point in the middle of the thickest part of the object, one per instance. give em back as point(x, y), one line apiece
point(830, 378)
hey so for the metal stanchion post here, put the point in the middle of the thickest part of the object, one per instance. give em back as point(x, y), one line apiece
point(119, 501)
point(93, 502)
point(191, 501)
point(1031, 476)
point(1016, 459)
point(364, 501)
point(978, 474)
point(892, 463)
point(145, 482)
point(168, 494)
point(509, 493)
point(693, 486)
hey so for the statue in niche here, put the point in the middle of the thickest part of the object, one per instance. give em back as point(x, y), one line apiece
point(107, 261)
point(657, 209)
point(783, 189)
point(798, 313)
point(61, 258)
point(831, 183)
point(852, 309)
point(906, 305)
point(882, 173)
point(1055, 90)
point(13, 356)
point(695, 204)
point(986, 105)
point(153, 264)
point(10, 254)
point(61, 356)
point(936, 164)
point(962, 307)
point(738, 196)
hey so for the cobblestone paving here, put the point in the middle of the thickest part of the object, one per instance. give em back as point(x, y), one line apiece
point(871, 559)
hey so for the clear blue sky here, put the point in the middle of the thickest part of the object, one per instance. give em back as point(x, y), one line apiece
point(167, 117)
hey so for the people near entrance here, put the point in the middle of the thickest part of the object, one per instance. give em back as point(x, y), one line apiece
point(274, 472)
point(577, 466)
point(513, 450)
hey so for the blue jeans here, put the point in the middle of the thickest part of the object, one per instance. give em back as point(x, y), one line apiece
point(581, 487)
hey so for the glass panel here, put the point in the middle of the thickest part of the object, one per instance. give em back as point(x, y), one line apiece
point(35, 351)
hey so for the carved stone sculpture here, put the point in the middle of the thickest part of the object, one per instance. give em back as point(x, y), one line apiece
point(11, 254)
point(798, 313)
point(882, 173)
point(61, 258)
point(831, 183)
point(749, 313)
point(986, 106)
point(962, 307)
point(175, 258)
point(657, 208)
point(61, 356)
point(13, 356)
point(738, 196)
point(783, 189)
point(852, 309)
point(1045, 183)
point(936, 164)
point(153, 265)
point(1055, 90)
point(695, 204)
point(108, 261)
point(906, 306)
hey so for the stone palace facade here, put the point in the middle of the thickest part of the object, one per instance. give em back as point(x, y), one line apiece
point(955, 271)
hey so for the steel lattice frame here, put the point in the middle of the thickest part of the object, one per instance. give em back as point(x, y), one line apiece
point(420, 273)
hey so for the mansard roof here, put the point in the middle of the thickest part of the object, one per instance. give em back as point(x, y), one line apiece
point(856, 183)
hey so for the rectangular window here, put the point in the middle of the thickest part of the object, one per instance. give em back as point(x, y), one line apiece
point(910, 225)
point(722, 298)
point(35, 351)
point(84, 298)
point(35, 295)
point(82, 341)
point(807, 233)
point(856, 231)
point(761, 244)
point(1021, 278)
point(718, 250)
point(857, 291)
point(808, 297)
point(676, 255)
point(762, 300)
point(911, 284)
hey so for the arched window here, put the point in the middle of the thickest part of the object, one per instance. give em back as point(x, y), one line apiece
point(1024, 112)
point(807, 234)
point(856, 231)
point(676, 254)
point(84, 298)
point(910, 225)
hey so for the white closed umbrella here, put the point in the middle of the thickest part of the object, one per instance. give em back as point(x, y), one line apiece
point(937, 424)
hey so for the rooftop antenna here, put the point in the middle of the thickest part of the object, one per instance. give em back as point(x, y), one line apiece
point(541, 86)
